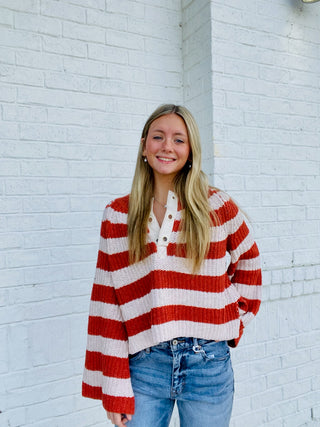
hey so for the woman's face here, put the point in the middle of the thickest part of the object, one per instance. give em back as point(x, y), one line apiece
point(167, 146)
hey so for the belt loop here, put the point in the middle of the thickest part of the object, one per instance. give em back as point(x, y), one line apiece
point(196, 347)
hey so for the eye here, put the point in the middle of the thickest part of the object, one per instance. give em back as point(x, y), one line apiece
point(179, 141)
point(157, 137)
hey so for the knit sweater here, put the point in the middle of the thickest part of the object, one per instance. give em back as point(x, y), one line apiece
point(137, 306)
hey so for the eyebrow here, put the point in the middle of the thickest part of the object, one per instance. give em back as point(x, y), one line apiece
point(175, 133)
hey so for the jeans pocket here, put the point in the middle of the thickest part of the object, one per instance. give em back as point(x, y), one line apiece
point(216, 351)
point(137, 356)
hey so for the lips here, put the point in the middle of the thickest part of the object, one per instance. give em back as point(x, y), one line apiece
point(165, 159)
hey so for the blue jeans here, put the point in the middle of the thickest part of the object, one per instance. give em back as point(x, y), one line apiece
point(195, 373)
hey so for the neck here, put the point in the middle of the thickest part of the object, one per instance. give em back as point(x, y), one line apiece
point(161, 190)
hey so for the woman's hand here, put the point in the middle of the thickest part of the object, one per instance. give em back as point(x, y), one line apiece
point(119, 420)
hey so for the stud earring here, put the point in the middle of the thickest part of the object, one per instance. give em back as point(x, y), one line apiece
point(145, 159)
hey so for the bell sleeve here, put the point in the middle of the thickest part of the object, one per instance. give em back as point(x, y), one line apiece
point(106, 373)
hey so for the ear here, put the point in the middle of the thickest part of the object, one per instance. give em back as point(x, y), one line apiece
point(143, 143)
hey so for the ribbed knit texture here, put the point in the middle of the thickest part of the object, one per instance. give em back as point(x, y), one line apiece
point(137, 306)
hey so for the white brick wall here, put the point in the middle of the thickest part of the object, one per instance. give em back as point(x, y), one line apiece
point(77, 80)
point(266, 141)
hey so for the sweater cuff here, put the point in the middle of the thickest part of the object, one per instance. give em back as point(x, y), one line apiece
point(117, 404)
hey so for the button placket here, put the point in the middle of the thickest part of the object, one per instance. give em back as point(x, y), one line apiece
point(161, 235)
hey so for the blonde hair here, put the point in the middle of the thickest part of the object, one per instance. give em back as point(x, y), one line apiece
point(190, 185)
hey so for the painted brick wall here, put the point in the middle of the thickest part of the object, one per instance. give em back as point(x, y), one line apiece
point(78, 78)
point(266, 123)
point(197, 72)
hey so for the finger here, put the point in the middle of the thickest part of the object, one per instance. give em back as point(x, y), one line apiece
point(125, 418)
point(115, 418)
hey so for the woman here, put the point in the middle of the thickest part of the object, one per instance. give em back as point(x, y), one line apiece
point(178, 277)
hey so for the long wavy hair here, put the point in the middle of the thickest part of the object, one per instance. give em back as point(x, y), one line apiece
point(190, 185)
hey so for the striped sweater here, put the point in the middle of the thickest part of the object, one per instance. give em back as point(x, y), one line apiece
point(137, 306)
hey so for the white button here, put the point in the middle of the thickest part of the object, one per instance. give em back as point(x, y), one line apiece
point(175, 342)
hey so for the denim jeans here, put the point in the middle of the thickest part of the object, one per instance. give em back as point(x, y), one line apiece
point(195, 373)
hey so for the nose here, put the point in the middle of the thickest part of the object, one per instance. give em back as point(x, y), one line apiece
point(167, 144)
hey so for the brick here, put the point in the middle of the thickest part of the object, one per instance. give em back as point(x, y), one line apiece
point(50, 409)
point(15, 313)
point(107, 54)
point(93, 4)
point(93, 102)
point(280, 409)
point(84, 67)
point(126, 40)
point(27, 294)
point(28, 222)
point(109, 87)
point(265, 365)
point(91, 169)
point(67, 221)
point(38, 24)
point(11, 278)
point(46, 274)
point(70, 186)
point(9, 168)
point(46, 204)
point(106, 20)
point(62, 46)
point(45, 168)
point(18, 347)
point(65, 116)
point(282, 377)
point(10, 205)
point(39, 60)
point(23, 113)
point(42, 334)
point(316, 412)
point(11, 241)
point(66, 82)
point(25, 186)
point(309, 400)
point(150, 61)
point(45, 239)
point(308, 339)
point(6, 17)
point(41, 96)
point(63, 11)
point(15, 417)
point(265, 399)
point(132, 9)
point(30, 6)
point(4, 358)
point(86, 204)
point(7, 94)
point(84, 32)
point(9, 131)
point(249, 387)
point(298, 419)
point(19, 39)
point(21, 258)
